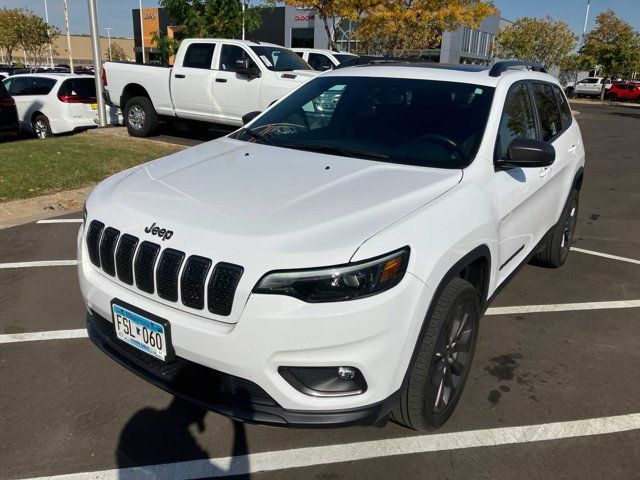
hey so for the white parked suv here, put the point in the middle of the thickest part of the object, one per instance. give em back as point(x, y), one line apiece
point(213, 80)
point(322, 60)
point(330, 267)
point(589, 87)
point(55, 103)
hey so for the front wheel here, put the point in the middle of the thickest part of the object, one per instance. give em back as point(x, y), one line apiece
point(440, 370)
point(140, 117)
point(556, 250)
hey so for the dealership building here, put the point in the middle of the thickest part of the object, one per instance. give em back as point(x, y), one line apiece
point(296, 27)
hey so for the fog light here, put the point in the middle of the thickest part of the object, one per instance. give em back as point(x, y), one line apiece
point(346, 373)
point(325, 381)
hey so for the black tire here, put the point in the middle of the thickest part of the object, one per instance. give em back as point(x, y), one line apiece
point(613, 97)
point(571, 93)
point(447, 346)
point(140, 117)
point(40, 127)
point(556, 250)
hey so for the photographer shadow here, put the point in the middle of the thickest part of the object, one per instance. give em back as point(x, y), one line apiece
point(153, 438)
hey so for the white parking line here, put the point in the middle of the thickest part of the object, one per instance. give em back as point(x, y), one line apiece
point(50, 335)
point(330, 454)
point(61, 220)
point(43, 263)
point(605, 255)
point(563, 307)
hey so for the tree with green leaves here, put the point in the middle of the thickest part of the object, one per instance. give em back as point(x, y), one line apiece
point(9, 20)
point(117, 53)
point(168, 46)
point(613, 45)
point(34, 36)
point(212, 18)
point(541, 40)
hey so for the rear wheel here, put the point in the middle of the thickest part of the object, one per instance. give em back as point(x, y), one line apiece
point(440, 370)
point(613, 97)
point(557, 248)
point(140, 117)
point(41, 127)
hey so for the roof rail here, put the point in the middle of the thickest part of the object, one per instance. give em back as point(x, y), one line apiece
point(504, 65)
point(371, 60)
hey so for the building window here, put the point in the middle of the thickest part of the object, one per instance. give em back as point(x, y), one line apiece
point(466, 40)
point(302, 37)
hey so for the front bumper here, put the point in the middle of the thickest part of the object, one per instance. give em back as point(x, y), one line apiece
point(376, 335)
point(226, 394)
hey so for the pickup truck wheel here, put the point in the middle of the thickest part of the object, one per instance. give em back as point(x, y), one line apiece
point(140, 117)
point(557, 248)
point(442, 365)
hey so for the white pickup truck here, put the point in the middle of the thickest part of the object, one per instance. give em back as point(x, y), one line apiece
point(212, 80)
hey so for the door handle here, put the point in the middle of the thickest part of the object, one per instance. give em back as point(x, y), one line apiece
point(544, 171)
point(573, 148)
point(221, 80)
point(179, 75)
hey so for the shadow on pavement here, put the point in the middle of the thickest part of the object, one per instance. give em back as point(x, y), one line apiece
point(154, 437)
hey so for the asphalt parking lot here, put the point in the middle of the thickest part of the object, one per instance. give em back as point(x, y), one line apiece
point(554, 390)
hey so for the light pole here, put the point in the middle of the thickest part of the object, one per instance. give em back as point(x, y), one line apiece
point(108, 29)
point(141, 30)
point(46, 18)
point(586, 19)
point(66, 22)
point(243, 8)
point(95, 44)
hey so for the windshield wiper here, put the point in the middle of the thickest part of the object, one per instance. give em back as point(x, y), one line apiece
point(344, 151)
point(257, 136)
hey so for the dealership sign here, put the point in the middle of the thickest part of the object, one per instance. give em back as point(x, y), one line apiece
point(304, 17)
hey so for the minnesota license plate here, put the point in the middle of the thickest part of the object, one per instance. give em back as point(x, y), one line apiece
point(140, 332)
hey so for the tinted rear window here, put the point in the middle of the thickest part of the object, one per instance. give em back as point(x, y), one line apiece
point(565, 110)
point(79, 87)
point(548, 110)
point(199, 55)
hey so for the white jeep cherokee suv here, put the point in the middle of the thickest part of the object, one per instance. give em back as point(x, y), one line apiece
point(330, 267)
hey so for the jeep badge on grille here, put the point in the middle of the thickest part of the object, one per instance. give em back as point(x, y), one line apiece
point(163, 233)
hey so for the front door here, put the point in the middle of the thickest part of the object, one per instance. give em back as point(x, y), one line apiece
point(192, 83)
point(522, 200)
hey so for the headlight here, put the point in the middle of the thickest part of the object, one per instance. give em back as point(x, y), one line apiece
point(342, 282)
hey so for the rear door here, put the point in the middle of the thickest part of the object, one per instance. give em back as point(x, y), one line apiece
point(192, 83)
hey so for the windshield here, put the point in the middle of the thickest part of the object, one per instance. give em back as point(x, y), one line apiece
point(280, 59)
point(343, 57)
point(415, 122)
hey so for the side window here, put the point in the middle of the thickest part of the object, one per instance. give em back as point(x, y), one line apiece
point(3, 91)
point(550, 121)
point(230, 54)
point(30, 86)
point(320, 62)
point(199, 55)
point(518, 119)
point(565, 110)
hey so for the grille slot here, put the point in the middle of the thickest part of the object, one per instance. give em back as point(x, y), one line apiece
point(192, 282)
point(93, 241)
point(222, 287)
point(124, 258)
point(144, 264)
point(167, 274)
point(107, 250)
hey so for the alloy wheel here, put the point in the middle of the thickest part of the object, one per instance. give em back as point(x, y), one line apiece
point(136, 117)
point(451, 359)
point(41, 128)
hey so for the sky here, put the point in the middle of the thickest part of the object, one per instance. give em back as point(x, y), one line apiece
point(117, 13)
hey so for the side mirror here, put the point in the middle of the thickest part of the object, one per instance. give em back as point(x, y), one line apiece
point(245, 67)
point(247, 117)
point(528, 153)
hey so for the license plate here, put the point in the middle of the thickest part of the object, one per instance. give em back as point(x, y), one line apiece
point(140, 332)
point(94, 106)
